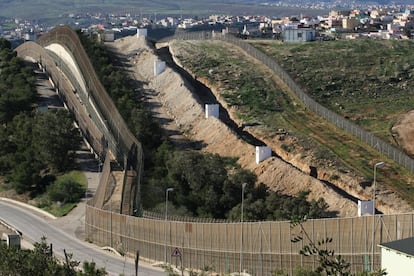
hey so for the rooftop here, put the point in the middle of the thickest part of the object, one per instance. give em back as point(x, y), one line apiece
point(405, 246)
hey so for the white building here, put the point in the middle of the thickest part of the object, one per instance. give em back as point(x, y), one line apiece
point(397, 257)
point(299, 35)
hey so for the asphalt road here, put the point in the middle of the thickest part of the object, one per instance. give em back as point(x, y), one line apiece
point(34, 226)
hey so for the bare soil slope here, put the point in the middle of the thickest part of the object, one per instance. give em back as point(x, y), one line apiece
point(177, 106)
point(403, 132)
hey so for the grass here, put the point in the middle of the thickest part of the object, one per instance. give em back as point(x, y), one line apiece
point(79, 177)
point(258, 98)
point(367, 81)
point(4, 187)
point(58, 209)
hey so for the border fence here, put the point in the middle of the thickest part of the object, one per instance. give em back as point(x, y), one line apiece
point(114, 132)
point(257, 247)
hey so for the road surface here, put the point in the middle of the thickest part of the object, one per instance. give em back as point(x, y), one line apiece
point(34, 226)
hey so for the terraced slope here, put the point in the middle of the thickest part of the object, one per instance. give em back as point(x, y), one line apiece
point(260, 103)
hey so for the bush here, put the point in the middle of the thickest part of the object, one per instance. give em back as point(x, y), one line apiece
point(66, 190)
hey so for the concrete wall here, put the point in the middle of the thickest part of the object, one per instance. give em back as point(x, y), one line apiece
point(298, 35)
point(212, 110)
point(11, 239)
point(142, 32)
point(365, 207)
point(159, 67)
point(262, 153)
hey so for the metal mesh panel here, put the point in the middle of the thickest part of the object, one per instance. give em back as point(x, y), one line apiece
point(266, 245)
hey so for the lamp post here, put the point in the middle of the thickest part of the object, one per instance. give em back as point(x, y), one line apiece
point(165, 224)
point(241, 231)
point(377, 165)
point(112, 186)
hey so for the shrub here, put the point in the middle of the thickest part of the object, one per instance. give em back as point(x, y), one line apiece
point(66, 190)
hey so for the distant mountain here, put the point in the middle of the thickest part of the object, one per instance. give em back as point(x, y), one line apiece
point(47, 9)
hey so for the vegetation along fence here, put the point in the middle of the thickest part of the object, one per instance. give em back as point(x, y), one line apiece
point(118, 138)
point(64, 87)
point(385, 148)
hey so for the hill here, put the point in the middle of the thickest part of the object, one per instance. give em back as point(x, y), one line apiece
point(59, 9)
point(297, 136)
point(264, 107)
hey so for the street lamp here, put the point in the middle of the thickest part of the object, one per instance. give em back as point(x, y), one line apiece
point(112, 186)
point(377, 165)
point(165, 224)
point(241, 232)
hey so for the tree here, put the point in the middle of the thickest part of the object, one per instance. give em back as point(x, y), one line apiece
point(329, 263)
point(56, 139)
point(17, 85)
point(4, 44)
point(198, 180)
point(36, 262)
point(41, 262)
point(145, 128)
point(90, 269)
point(25, 167)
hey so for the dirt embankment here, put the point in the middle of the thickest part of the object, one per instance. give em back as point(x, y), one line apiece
point(403, 132)
point(176, 104)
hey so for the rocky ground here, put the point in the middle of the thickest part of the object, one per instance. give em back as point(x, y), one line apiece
point(180, 109)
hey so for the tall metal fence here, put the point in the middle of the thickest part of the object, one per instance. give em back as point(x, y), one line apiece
point(65, 89)
point(257, 247)
point(385, 148)
point(122, 143)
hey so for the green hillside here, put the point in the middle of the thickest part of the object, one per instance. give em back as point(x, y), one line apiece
point(367, 81)
point(261, 102)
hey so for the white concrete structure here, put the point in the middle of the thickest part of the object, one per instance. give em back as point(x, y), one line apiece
point(397, 257)
point(298, 35)
point(365, 207)
point(109, 37)
point(212, 110)
point(159, 67)
point(11, 239)
point(142, 32)
point(262, 153)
